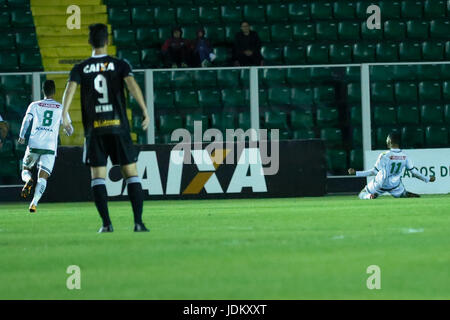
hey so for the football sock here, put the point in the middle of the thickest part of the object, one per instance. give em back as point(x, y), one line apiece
point(136, 197)
point(26, 175)
point(101, 199)
point(39, 190)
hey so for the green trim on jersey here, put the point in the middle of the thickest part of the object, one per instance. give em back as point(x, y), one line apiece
point(41, 151)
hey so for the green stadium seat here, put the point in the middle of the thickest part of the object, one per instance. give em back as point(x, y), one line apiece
point(205, 78)
point(431, 114)
point(433, 51)
point(370, 34)
point(408, 115)
point(326, 30)
point(164, 15)
point(303, 31)
point(301, 119)
point(321, 10)
point(182, 79)
point(297, 76)
point(164, 33)
point(387, 52)
point(281, 32)
point(277, 12)
point(357, 137)
point(272, 54)
point(412, 137)
point(323, 94)
point(116, 3)
point(436, 137)
point(317, 53)
point(168, 123)
point(340, 53)
point(294, 54)
point(344, 9)
point(192, 118)
point(231, 13)
point(223, 56)
point(355, 115)
point(142, 16)
point(233, 98)
point(380, 73)
point(356, 159)
point(274, 77)
point(331, 136)
point(124, 37)
point(133, 56)
point(446, 90)
point(11, 83)
point(363, 52)
point(263, 32)
point(147, 37)
point(439, 29)
point(384, 116)
point(429, 72)
point(187, 15)
point(327, 117)
point(5, 20)
point(7, 41)
point(215, 33)
point(231, 31)
point(228, 78)
point(429, 91)
point(275, 120)
point(353, 73)
point(354, 92)
point(209, 98)
point(380, 135)
point(390, 9)
point(279, 96)
point(348, 30)
point(26, 40)
point(119, 16)
point(163, 99)
point(412, 9)
point(361, 9)
point(30, 61)
point(263, 99)
point(434, 9)
point(404, 72)
point(394, 30)
point(337, 161)
point(302, 96)
point(405, 92)
point(161, 79)
point(186, 98)
point(21, 18)
point(223, 121)
point(254, 13)
point(150, 58)
point(138, 2)
point(410, 51)
point(447, 50)
point(447, 113)
point(303, 134)
point(417, 29)
point(17, 103)
point(209, 14)
point(244, 120)
point(382, 92)
point(298, 11)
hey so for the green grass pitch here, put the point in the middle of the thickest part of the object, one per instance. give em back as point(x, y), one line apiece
point(297, 248)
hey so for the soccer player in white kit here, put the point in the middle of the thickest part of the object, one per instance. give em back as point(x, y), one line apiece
point(388, 172)
point(45, 116)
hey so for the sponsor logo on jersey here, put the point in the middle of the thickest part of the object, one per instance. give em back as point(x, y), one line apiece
point(397, 157)
point(44, 129)
point(99, 67)
point(106, 123)
point(48, 105)
point(103, 108)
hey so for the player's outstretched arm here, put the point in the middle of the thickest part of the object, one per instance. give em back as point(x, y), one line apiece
point(136, 92)
point(367, 173)
point(71, 88)
point(416, 174)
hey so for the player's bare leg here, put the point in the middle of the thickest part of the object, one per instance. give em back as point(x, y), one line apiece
point(98, 175)
point(39, 190)
point(26, 177)
point(129, 172)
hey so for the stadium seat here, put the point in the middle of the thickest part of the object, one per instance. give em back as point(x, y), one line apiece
point(139, 2)
point(233, 98)
point(417, 29)
point(340, 53)
point(21, 18)
point(231, 31)
point(303, 31)
point(231, 13)
point(387, 52)
point(164, 15)
point(124, 37)
point(7, 41)
point(321, 10)
point(429, 72)
point(169, 123)
point(263, 99)
point(439, 29)
point(147, 37)
point(324, 94)
point(301, 96)
point(182, 79)
point(429, 91)
point(321, 74)
point(228, 78)
point(205, 78)
point(352, 73)
point(119, 16)
point(446, 91)
point(357, 137)
point(5, 21)
point(274, 77)
point(405, 92)
point(431, 114)
point(355, 115)
point(272, 54)
point(390, 9)
point(26, 40)
point(275, 120)
point(298, 11)
point(223, 56)
point(327, 117)
point(380, 135)
point(297, 76)
point(331, 136)
point(254, 13)
point(11, 83)
point(433, 51)
point(356, 159)
point(277, 12)
point(404, 72)
point(348, 30)
point(363, 52)
point(187, 15)
point(194, 117)
point(279, 96)
point(384, 116)
point(301, 119)
point(164, 33)
point(215, 33)
point(410, 51)
point(412, 9)
point(30, 61)
point(186, 98)
point(161, 79)
point(447, 50)
point(337, 161)
point(370, 34)
point(294, 54)
point(326, 30)
point(263, 32)
point(133, 56)
point(164, 99)
point(304, 134)
point(141, 16)
point(223, 121)
point(436, 136)
point(343, 10)
point(354, 92)
point(447, 113)
point(317, 54)
point(281, 32)
point(434, 9)
point(17, 103)
point(394, 30)
point(150, 58)
point(244, 120)
point(408, 115)
point(209, 98)
point(412, 137)
point(382, 92)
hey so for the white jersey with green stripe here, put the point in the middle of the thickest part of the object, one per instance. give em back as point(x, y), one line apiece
point(390, 166)
point(47, 118)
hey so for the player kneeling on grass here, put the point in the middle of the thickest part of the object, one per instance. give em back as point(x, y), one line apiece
point(46, 118)
point(388, 172)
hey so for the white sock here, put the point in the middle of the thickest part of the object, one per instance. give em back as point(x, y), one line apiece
point(26, 175)
point(39, 191)
point(364, 194)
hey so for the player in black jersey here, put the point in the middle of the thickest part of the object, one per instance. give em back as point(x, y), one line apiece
point(106, 128)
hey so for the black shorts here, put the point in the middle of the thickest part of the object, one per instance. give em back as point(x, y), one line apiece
point(97, 149)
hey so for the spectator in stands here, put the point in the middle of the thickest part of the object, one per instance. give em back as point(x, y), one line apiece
point(201, 50)
point(3, 131)
point(175, 50)
point(247, 47)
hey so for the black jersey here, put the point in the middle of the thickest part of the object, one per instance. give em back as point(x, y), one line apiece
point(103, 106)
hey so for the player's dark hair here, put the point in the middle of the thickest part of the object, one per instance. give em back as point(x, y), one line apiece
point(395, 138)
point(98, 35)
point(48, 87)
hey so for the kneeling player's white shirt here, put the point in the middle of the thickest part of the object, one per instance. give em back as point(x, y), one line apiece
point(47, 117)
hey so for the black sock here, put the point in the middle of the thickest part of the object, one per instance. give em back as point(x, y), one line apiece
point(136, 197)
point(101, 200)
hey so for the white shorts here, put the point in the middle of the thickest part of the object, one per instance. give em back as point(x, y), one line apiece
point(374, 188)
point(44, 161)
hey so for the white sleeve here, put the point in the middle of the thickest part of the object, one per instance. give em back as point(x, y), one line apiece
point(409, 164)
point(415, 173)
point(367, 173)
point(26, 122)
point(379, 165)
